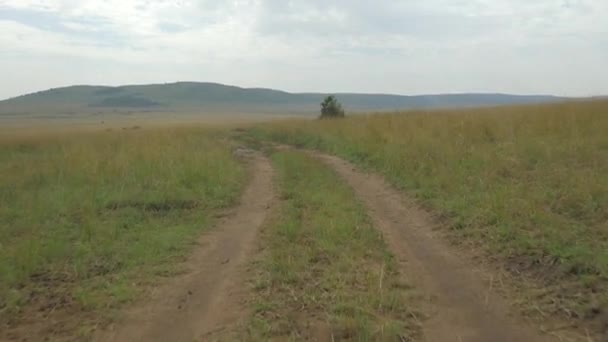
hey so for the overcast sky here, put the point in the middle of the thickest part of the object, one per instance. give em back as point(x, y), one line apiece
point(395, 46)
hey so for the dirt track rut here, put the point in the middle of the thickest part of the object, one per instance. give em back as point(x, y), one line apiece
point(462, 305)
point(209, 297)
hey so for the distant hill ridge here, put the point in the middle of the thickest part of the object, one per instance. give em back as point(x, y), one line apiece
point(183, 96)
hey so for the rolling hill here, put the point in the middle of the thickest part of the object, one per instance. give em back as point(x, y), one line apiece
point(213, 97)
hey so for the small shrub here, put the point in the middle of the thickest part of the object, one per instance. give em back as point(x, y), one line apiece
point(331, 108)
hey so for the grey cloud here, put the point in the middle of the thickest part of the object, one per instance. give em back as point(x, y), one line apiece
point(93, 29)
point(548, 46)
point(429, 19)
point(364, 17)
point(170, 27)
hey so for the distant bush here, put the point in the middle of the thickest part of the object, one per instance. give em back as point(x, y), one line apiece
point(331, 108)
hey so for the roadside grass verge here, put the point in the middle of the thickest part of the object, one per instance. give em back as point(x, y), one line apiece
point(526, 184)
point(325, 272)
point(88, 220)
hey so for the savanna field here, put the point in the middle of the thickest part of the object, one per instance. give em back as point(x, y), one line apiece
point(89, 222)
point(529, 184)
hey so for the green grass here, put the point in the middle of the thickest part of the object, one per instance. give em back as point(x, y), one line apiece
point(325, 272)
point(87, 221)
point(527, 184)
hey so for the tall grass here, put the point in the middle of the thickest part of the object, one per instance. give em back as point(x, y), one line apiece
point(86, 220)
point(529, 184)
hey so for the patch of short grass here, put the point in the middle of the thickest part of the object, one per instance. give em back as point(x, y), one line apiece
point(529, 184)
point(87, 220)
point(326, 273)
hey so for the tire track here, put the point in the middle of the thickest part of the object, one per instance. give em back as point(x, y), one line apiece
point(194, 306)
point(462, 306)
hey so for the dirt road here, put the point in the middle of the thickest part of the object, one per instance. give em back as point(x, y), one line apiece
point(463, 306)
point(193, 306)
point(209, 299)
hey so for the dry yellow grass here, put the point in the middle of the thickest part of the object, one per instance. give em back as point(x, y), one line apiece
point(18, 128)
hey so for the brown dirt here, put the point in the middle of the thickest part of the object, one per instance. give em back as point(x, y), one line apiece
point(463, 306)
point(209, 297)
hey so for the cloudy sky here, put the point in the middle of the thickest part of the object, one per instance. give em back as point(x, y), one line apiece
point(396, 46)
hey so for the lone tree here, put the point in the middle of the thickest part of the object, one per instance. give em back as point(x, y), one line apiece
point(331, 108)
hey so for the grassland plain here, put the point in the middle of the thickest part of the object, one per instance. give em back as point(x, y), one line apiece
point(527, 185)
point(324, 272)
point(87, 220)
